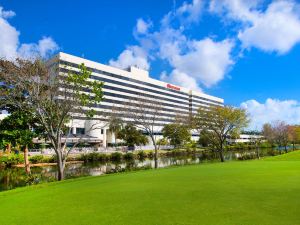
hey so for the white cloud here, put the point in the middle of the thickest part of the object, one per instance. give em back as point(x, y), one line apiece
point(190, 12)
point(181, 79)
point(45, 47)
point(193, 62)
point(206, 61)
point(131, 56)
point(6, 14)
point(272, 110)
point(275, 29)
point(278, 29)
point(9, 38)
point(10, 47)
point(142, 26)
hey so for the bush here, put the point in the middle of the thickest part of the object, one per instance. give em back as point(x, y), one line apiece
point(116, 156)
point(141, 155)
point(12, 159)
point(150, 155)
point(36, 159)
point(128, 156)
point(93, 157)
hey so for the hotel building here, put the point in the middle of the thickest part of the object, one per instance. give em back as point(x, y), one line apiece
point(122, 87)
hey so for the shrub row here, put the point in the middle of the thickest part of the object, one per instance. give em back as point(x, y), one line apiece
point(115, 157)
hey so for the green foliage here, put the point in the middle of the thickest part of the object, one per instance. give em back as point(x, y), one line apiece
point(221, 123)
point(204, 138)
point(129, 156)
point(115, 125)
point(162, 141)
point(116, 156)
point(79, 81)
point(132, 136)
point(36, 159)
point(150, 155)
point(15, 129)
point(176, 133)
point(141, 155)
point(11, 159)
point(94, 157)
point(191, 145)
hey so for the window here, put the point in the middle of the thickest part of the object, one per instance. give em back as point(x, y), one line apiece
point(80, 130)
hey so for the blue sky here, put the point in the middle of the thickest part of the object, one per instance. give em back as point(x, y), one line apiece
point(245, 51)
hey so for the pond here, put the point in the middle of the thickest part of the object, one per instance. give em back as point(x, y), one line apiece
point(16, 177)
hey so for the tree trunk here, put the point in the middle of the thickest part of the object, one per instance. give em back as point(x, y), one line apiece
point(8, 148)
point(155, 157)
point(155, 153)
point(60, 166)
point(257, 153)
point(285, 149)
point(221, 156)
point(60, 171)
point(26, 160)
point(221, 153)
point(293, 146)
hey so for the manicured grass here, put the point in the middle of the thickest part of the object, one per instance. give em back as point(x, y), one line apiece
point(263, 192)
point(292, 156)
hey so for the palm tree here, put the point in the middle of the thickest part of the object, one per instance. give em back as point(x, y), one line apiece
point(115, 126)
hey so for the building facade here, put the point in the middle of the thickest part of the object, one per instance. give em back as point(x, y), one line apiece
point(123, 87)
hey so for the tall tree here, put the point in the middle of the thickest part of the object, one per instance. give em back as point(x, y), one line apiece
point(220, 122)
point(54, 99)
point(176, 133)
point(281, 134)
point(132, 136)
point(294, 135)
point(268, 133)
point(145, 116)
point(115, 126)
point(17, 129)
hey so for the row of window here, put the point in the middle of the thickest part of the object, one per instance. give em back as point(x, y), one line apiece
point(123, 77)
point(206, 99)
point(139, 94)
point(106, 80)
point(137, 81)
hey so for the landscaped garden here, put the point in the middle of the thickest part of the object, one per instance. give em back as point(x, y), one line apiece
point(261, 192)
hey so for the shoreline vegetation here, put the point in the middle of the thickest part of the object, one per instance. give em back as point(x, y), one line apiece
point(17, 160)
point(252, 192)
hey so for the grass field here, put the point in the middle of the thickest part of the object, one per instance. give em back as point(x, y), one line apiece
point(263, 192)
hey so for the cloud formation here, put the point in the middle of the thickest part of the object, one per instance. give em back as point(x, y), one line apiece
point(193, 62)
point(10, 46)
point(275, 29)
point(272, 110)
point(131, 56)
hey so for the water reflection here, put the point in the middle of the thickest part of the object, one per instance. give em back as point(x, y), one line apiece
point(15, 177)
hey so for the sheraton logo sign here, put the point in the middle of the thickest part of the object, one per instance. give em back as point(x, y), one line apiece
point(173, 87)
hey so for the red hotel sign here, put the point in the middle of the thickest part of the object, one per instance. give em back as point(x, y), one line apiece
point(173, 87)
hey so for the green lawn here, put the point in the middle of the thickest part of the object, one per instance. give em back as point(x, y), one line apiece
point(263, 192)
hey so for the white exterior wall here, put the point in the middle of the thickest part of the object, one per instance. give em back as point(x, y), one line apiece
point(119, 85)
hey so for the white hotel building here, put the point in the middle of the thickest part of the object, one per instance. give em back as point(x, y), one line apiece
point(121, 87)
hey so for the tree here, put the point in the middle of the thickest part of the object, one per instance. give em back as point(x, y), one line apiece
point(220, 122)
point(115, 126)
point(281, 134)
point(268, 133)
point(277, 132)
point(17, 129)
point(203, 138)
point(132, 136)
point(145, 116)
point(53, 98)
point(176, 133)
point(294, 135)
